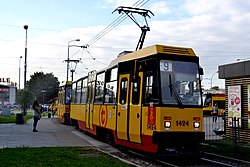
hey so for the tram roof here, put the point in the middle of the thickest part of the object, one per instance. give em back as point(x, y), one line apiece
point(153, 50)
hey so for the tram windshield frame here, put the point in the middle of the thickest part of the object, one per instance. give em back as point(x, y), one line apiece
point(180, 83)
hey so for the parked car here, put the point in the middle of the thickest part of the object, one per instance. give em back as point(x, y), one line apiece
point(45, 107)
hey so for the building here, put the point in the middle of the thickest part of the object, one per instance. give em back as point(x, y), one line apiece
point(237, 84)
point(7, 95)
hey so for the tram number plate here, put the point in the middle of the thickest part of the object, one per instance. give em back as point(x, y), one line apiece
point(151, 127)
point(182, 123)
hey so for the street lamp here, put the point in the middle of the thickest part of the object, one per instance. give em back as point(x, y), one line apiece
point(20, 70)
point(212, 78)
point(68, 58)
point(25, 60)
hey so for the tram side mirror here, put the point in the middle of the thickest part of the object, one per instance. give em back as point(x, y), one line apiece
point(201, 72)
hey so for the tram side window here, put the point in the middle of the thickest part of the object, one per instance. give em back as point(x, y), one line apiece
point(60, 97)
point(63, 97)
point(151, 92)
point(136, 91)
point(221, 104)
point(207, 100)
point(91, 86)
point(99, 89)
point(91, 89)
point(123, 90)
point(84, 91)
point(68, 92)
point(78, 92)
point(110, 94)
point(151, 81)
point(73, 93)
point(111, 86)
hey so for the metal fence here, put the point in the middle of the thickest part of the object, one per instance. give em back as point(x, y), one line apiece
point(214, 127)
point(215, 130)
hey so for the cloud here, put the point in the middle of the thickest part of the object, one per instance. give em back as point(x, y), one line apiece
point(48, 52)
point(218, 31)
point(117, 3)
point(160, 7)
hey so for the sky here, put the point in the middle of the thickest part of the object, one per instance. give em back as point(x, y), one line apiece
point(218, 32)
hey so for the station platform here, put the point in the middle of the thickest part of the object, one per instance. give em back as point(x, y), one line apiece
point(50, 133)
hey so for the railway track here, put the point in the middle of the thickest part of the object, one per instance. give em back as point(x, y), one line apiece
point(142, 159)
point(206, 160)
point(223, 159)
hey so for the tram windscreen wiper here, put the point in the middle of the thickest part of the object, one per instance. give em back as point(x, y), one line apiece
point(174, 93)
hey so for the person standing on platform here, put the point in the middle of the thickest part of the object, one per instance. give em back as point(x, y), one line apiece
point(37, 115)
point(215, 112)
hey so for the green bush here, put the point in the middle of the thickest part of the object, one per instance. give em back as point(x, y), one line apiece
point(12, 118)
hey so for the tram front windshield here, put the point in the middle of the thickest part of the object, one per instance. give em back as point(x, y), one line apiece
point(180, 83)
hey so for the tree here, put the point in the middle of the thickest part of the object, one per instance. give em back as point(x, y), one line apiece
point(25, 98)
point(215, 88)
point(43, 86)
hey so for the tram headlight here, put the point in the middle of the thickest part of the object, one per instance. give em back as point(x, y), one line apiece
point(196, 124)
point(167, 124)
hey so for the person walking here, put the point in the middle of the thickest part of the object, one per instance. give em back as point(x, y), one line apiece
point(215, 112)
point(37, 115)
point(53, 109)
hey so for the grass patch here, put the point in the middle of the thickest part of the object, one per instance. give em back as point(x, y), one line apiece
point(62, 156)
point(226, 149)
point(12, 118)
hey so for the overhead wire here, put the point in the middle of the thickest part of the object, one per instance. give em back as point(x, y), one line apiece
point(94, 58)
point(115, 23)
point(110, 27)
point(76, 52)
point(82, 61)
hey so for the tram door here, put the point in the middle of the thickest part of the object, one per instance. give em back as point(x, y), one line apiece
point(135, 109)
point(90, 100)
point(123, 106)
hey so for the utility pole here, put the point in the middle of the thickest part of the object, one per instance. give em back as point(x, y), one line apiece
point(68, 57)
point(72, 74)
point(72, 70)
point(25, 66)
point(19, 72)
point(68, 60)
point(25, 58)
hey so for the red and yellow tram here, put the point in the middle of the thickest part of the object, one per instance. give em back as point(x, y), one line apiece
point(64, 101)
point(148, 100)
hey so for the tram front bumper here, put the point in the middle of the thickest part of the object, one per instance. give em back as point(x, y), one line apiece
point(176, 138)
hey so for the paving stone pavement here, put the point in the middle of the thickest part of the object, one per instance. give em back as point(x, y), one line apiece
point(50, 133)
